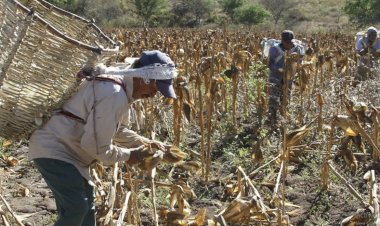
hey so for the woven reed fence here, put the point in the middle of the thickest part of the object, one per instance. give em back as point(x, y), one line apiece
point(41, 49)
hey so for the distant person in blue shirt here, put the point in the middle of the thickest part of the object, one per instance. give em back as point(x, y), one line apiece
point(368, 50)
point(369, 43)
point(277, 71)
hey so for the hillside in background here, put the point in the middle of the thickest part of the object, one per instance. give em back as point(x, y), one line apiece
point(314, 15)
point(319, 14)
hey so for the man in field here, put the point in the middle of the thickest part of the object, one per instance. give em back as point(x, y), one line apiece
point(368, 50)
point(277, 71)
point(369, 43)
point(85, 129)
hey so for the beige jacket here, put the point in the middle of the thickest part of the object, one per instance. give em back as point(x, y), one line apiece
point(104, 106)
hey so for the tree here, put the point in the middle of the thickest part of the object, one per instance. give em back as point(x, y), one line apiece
point(251, 14)
point(276, 7)
point(148, 9)
point(363, 11)
point(229, 6)
point(191, 12)
point(96, 9)
point(200, 8)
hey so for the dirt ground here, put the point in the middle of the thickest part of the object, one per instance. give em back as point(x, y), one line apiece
point(26, 192)
point(31, 200)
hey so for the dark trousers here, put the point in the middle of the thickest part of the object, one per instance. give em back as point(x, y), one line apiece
point(276, 98)
point(73, 195)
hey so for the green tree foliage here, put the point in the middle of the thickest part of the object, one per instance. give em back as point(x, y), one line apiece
point(150, 11)
point(363, 11)
point(229, 6)
point(251, 14)
point(188, 13)
point(191, 12)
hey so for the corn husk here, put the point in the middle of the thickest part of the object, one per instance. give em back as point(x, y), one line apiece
point(174, 155)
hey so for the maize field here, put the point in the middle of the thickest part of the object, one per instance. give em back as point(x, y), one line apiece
point(318, 165)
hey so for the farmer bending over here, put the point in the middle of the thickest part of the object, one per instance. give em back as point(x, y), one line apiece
point(83, 131)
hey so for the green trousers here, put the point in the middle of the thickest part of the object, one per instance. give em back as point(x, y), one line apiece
point(73, 195)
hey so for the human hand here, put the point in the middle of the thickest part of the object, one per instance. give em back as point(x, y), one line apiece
point(150, 159)
point(146, 157)
point(294, 57)
point(171, 154)
point(159, 145)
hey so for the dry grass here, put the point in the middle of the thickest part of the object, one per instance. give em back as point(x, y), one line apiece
point(313, 16)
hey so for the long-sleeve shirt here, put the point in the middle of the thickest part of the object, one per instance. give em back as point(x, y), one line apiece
point(103, 106)
point(276, 60)
point(363, 43)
